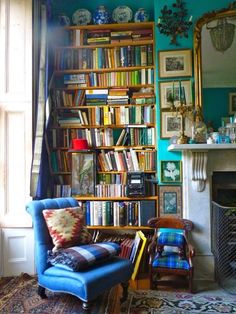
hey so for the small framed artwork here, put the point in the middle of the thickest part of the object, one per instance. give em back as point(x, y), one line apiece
point(232, 103)
point(175, 63)
point(83, 174)
point(171, 124)
point(170, 200)
point(171, 171)
point(169, 88)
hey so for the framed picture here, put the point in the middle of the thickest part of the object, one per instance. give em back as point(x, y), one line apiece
point(168, 88)
point(83, 174)
point(171, 124)
point(170, 200)
point(175, 63)
point(232, 103)
point(171, 171)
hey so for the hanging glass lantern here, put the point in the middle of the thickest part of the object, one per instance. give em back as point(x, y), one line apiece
point(222, 35)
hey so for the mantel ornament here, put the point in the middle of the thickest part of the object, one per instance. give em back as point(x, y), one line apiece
point(173, 22)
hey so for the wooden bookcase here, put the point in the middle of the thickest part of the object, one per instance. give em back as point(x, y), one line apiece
point(103, 90)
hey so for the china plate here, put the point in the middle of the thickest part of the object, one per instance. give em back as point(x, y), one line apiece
point(122, 14)
point(81, 17)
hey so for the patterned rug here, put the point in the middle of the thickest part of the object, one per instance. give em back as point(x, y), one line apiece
point(19, 295)
point(157, 302)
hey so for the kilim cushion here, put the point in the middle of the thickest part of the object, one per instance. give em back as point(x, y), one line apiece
point(66, 227)
point(170, 260)
point(81, 257)
point(171, 239)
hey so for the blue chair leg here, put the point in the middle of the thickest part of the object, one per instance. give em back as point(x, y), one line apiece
point(41, 292)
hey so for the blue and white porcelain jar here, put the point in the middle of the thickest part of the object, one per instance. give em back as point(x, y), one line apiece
point(101, 15)
point(141, 15)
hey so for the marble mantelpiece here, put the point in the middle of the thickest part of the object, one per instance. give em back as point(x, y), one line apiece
point(197, 203)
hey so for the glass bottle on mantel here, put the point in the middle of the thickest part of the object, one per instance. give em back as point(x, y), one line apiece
point(199, 134)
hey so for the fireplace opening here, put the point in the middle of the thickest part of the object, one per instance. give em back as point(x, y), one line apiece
point(224, 187)
point(223, 229)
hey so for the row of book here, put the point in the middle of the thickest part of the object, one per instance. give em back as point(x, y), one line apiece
point(112, 96)
point(98, 137)
point(103, 58)
point(127, 160)
point(62, 190)
point(98, 116)
point(119, 213)
point(119, 78)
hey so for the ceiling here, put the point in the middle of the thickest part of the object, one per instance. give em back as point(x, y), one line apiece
point(219, 69)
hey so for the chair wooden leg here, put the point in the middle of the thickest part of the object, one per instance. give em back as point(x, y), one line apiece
point(125, 286)
point(41, 292)
point(191, 282)
point(151, 280)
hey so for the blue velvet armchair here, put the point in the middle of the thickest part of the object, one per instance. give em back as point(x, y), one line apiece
point(86, 284)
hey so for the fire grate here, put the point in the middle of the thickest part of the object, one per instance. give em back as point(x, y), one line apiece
point(223, 235)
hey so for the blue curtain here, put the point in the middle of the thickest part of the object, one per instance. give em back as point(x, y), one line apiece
point(40, 172)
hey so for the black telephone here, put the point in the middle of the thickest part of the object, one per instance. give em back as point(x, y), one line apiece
point(135, 184)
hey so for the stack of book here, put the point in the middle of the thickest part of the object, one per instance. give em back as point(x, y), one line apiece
point(75, 80)
point(118, 96)
point(98, 36)
point(121, 36)
point(140, 98)
point(142, 34)
point(96, 97)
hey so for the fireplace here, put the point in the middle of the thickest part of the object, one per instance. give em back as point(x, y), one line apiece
point(216, 160)
point(223, 228)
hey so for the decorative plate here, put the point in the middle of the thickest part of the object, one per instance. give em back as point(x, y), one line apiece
point(81, 17)
point(122, 14)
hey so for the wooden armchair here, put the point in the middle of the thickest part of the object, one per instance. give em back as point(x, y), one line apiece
point(170, 254)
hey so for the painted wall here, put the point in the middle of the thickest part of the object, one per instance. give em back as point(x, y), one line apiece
point(195, 9)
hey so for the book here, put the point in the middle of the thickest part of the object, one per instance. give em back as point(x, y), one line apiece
point(142, 244)
point(147, 210)
point(135, 248)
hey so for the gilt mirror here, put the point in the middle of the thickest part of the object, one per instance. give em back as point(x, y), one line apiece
point(214, 63)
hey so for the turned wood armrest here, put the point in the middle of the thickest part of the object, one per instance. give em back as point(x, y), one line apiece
point(191, 253)
point(152, 249)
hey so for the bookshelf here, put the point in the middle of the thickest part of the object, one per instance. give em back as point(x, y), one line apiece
point(103, 90)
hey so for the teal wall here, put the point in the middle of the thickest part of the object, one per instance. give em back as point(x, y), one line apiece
point(196, 8)
point(70, 6)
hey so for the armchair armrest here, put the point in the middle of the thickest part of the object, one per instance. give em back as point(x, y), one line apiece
point(191, 253)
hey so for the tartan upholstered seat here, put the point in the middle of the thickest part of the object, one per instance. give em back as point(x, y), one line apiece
point(170, 260)
point(170, 254)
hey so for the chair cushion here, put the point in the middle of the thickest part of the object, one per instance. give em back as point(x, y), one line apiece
point(171, 239)
point(78, 258)
point(170, 260)
point(66, 227)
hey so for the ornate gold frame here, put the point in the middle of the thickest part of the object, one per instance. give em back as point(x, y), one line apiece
point(206, 18)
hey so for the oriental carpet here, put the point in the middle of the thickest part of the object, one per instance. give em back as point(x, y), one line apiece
point(19, 295)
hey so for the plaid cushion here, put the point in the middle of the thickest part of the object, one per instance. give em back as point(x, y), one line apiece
point(170, 260)
point(81, 257)
point(171, 239)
